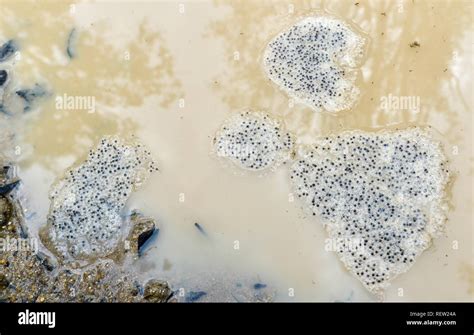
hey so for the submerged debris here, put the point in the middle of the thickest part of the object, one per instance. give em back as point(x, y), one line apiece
point(30, 95)
point(7, 50)
point(71, 43)
point(3, 77)
point(200, 228)
point(220, 285)
point(253, 141)
point(7, 188)
point(15, 101)
point(46, 261)
point(193, 296)
point(84, 220)
point(23, 100)
point(142, 229)
point(381, 197)
point(259, 286)
point(314, 62)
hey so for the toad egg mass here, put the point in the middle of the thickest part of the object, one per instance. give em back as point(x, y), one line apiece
point(85, 215)
point(253, 141)
point(379, 195)
point(314, 62)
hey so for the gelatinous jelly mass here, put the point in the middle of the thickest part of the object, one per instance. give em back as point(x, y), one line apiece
point(253, 141)
point(85, 215)
point(381, 197)
point(314, 62)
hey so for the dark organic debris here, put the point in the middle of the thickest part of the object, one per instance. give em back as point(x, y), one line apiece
point(46, 261)
point(7, 50)
point(259, 286)
point(71, 44)
point(200, 228)
point(222, 285)
point(5, 189)
point(29, 95)
point(3, 77)
point(3, 109)
point(143, 238)
point(193, 296)
point(143, 228)
point(415, 44)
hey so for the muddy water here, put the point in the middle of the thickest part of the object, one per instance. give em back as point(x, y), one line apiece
point(170, 73)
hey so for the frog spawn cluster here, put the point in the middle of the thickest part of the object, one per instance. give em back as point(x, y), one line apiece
point(379, 195)
point(85, 215)
point(253, 141)
point(314, 62)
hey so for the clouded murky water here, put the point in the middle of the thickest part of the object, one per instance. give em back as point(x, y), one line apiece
point(171, 73)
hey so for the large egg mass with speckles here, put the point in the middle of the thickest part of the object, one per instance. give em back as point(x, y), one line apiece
point(381, 197)
point(85, 215)
point(315, 61)
point(253, 141)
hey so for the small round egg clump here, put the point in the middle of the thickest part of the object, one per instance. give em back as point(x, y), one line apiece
point(253, 141)
point(85, 219)
point(314, 62)
point(381, 197)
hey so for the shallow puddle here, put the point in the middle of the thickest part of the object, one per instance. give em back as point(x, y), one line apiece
point(171, 73)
